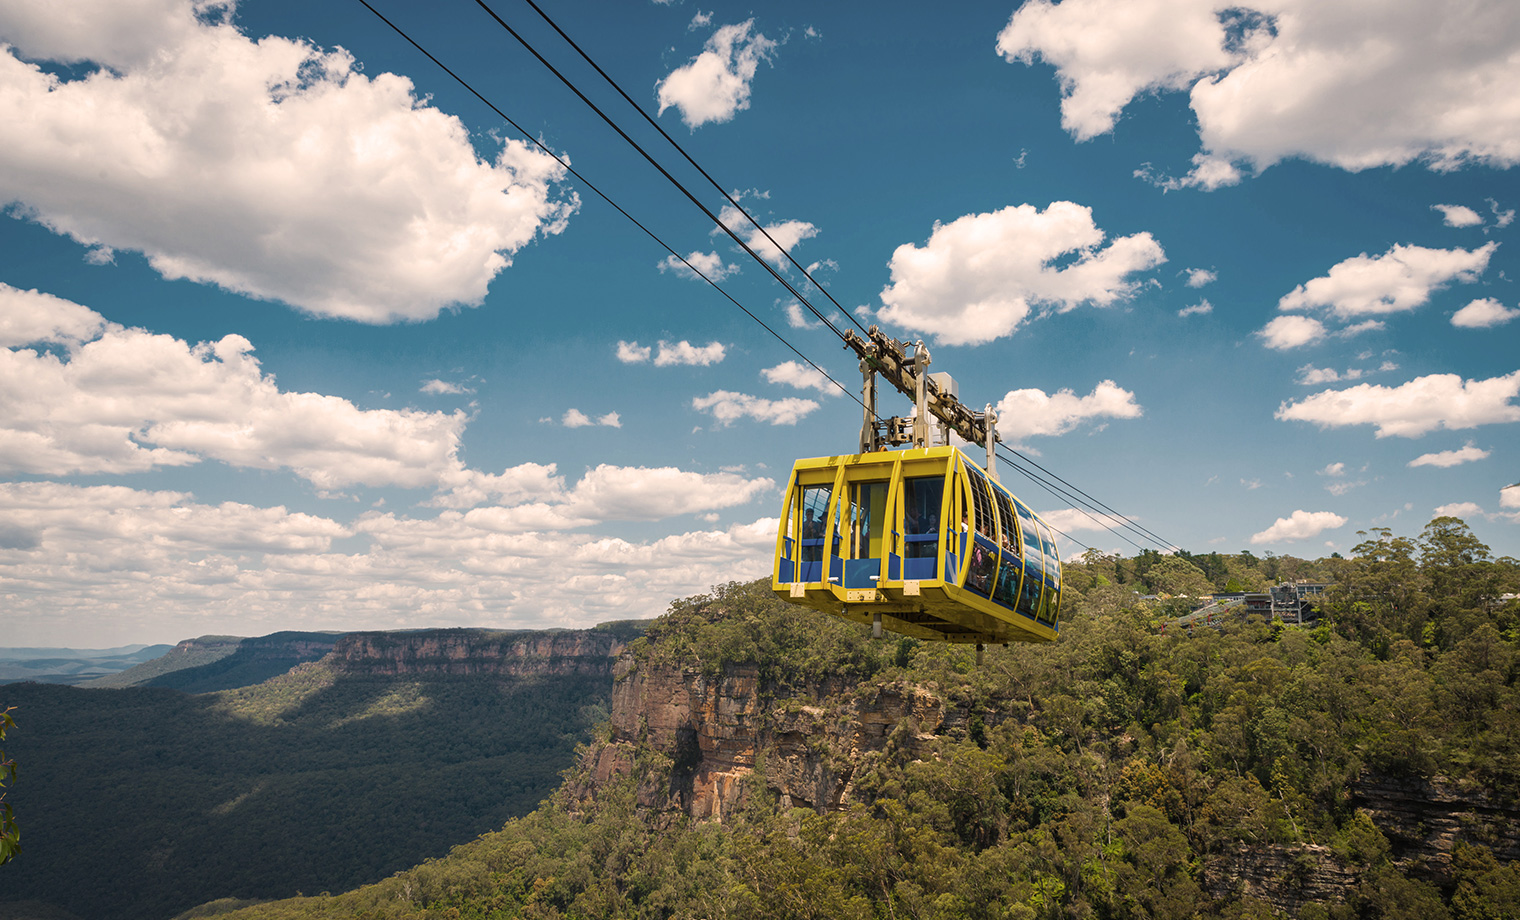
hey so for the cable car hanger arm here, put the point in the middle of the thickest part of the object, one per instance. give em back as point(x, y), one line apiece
point(881, 354)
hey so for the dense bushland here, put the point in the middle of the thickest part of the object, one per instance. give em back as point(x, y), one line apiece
point(1100, 776)
point(142, 802)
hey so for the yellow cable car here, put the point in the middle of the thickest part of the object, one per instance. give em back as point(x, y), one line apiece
point(918, 541)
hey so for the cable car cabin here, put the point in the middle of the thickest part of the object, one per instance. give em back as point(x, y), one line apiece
point(921, 539)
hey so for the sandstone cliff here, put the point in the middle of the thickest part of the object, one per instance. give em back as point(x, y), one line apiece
point(478, 652)
point(716, 730)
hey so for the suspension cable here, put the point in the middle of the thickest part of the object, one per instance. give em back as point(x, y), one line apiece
point(664, 172)
point(682, 151)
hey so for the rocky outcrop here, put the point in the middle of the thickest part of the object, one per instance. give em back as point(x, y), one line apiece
point(716, 730)
point(224, 645)
point(1286, 877)
point(477, 652)
point(1424, 818)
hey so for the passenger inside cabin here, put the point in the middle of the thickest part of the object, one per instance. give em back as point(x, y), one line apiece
point(812, 529)
point(982, 564)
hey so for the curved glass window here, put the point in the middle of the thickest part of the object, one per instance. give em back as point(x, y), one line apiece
point(983, 548)
point(1034, 563)
point(1047, 609)
point(1006, 591)
point(1009, 535)
point(986, 522)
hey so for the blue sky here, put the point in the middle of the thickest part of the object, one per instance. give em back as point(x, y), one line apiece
point(299, 335)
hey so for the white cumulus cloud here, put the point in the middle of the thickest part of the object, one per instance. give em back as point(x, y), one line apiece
point(1459, 510)
point(1423, 404)
point(1503, 217)
point(710, 264)
point(1353, 86)
point(1198, 277)
point(1076, 519)
point(1286, 332)
point(715, 84)
point(127, 400)
point(437, 387)
point(633, 352)
point(1450, 458)
point(1309, 375)
point(575, 418)
point(796, 319)
point(1300, 525)
point(271, 168)
point(979, 277)
point(1022, 413)
point(772, 245)
point(1509, 496)
point(1458, 215)
point(33, 317)
point(623, 493)
point(1201, 308)
point(1400, 279)
point(729, 407)
point(1483, 314)
point(799, 375)
point(683, 352)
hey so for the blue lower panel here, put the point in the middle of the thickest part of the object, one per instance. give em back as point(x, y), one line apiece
point(919, 569)
point(787, 568)
point(858, 572)
point(812, 571)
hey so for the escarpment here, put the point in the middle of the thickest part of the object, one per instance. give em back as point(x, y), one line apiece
point(478, 652)
point(719, 732)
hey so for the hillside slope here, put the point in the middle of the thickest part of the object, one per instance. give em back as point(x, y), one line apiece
point(189, 653)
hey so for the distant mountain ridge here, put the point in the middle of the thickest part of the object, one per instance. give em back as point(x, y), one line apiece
point(72, 665)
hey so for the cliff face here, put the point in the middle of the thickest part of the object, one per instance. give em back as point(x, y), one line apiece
point(1423, 820)
point(714, 730)
point(1287, 877)
point(476, 652)
point(202, 644)
point(304, 646)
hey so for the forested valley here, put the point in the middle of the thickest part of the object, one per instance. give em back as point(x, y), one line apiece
point(138, 803)
point(1124, 771)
